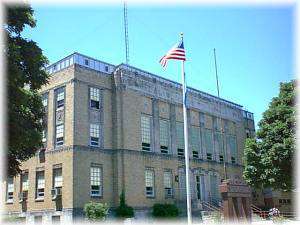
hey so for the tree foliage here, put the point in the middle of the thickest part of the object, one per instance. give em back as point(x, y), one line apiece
point(269, 158)
point(124, 211)
point(95, 211)
point(165, 211)
point(26, 74)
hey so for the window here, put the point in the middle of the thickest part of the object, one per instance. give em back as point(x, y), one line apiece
point(96, 180)
point(10, 190)
point(86, 62)
point(195, 144)
point(45, 100)
point(195, 154)
point(208, 156)
point(218, 139)
point(40, 184)
point(164, 128)
point(233, 160)
point(41, 155)
point(221, 157)
point(180, 152)
point(180, 139)
point(149, 182)
point(38, 219)
point(60, 134)
point(168, 184)
point(232, 145)
point(214, 187)
point(248, 133)
point(57, 178)
point(106, 68)
point(55, 219)
point(94, 98)
point(94, 134)
point(202, 119)
point(207, 139)
point(24, 181)
point(216, 123)
point(198, 187)
point(146, 133)
point(60, 98)
point(44, 138)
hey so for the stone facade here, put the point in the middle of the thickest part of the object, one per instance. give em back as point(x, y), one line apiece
point(125, 95)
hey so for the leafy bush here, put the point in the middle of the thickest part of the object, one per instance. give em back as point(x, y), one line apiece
point(124, 211)
point(165, 211)
point(95, 211)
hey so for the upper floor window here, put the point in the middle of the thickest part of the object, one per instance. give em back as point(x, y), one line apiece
point(232, 146)
point(10, 190)
point(146, 132)
point(57, 178)
point(202, 119)
point(94, 134)
point(60, 134)
point(164, 128)
point(60, 98)
point(195, 141)
point(94, 98)
point(149, 182)
point(216, 123)
point(24, 181)
point(208, 144)
point(248, 133)
point(180, 138)
point(168, 184)
point(45, 99)
point(96, 180)
point(40, 184)
point(24, 186)
point(86, 62)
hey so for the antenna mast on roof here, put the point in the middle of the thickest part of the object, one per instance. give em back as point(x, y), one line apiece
point(126, 33)
point(222, 129)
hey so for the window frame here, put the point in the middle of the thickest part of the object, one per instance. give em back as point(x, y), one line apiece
point(96, 130)
point(39, 192)
point(60, 98)
point(10, 194)
point(94, 98)
point(100, 189)
point(164, 149)
point(61, 138)
point(146, 147)
point(167, 189)
point(147, 194)
point(54, 177)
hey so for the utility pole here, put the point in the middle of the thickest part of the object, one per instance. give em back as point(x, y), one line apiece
point(126, 33)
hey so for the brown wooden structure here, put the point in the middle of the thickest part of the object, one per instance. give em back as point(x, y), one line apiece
point(236, 199)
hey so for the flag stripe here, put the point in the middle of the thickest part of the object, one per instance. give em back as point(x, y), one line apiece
point(177, 53)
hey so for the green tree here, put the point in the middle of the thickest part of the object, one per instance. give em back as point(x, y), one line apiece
point(269, 158)
point(25, 76)
point(124, 211)
point(95, 211)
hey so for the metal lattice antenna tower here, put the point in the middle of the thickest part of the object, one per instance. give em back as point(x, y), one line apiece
point(126, 33)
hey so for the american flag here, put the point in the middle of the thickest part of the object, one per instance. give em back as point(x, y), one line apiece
point(177, 52)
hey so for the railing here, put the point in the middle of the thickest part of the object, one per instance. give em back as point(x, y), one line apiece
point(265, 214)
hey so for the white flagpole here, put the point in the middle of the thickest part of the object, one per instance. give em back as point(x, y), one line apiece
point(186, 151)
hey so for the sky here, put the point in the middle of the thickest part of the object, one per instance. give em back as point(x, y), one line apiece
point(254, 44)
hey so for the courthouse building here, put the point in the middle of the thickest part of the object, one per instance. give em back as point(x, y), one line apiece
point(110, 128)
